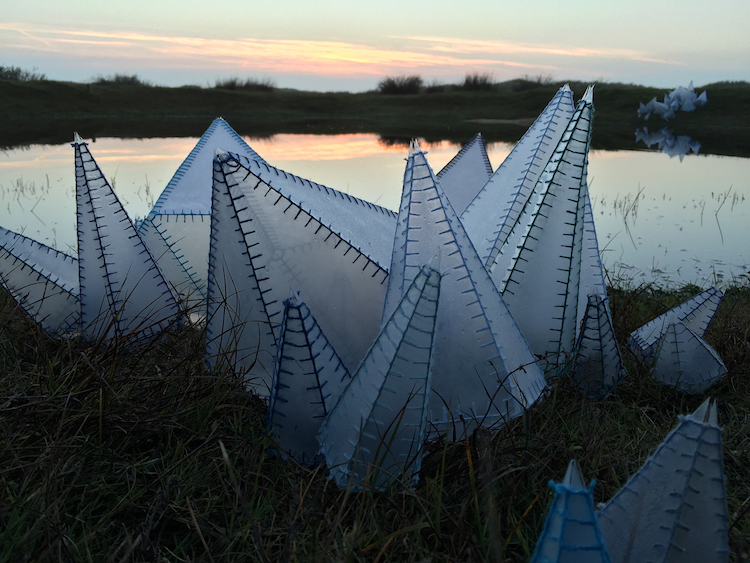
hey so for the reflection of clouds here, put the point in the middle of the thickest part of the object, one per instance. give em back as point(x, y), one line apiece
point(667, 142)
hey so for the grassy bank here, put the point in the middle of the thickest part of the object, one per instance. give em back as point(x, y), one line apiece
point(119, 455)
point(41, 111)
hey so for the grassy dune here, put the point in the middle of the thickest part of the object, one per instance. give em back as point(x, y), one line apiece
point(47, 111)
point(116, 454)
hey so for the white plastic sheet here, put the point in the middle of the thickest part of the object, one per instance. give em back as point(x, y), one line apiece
point(542, 285)
point(42, 280)
point(308, 380)
point(674, 508)
point(467, 172)
point(696, 313)
point(374, 434)
point(122, 291)
point(484, 372)
point(491, 219)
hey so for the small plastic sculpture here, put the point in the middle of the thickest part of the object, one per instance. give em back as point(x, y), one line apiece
point(277, 228)
point(308, 380)
point(543, 282)
point(484, 372)
point(42, 280)
point(177, 229)
point(674, 508)
point(122, 291)
point(491, 219)
point(598, 365)
point(466, 173)
point(375, 432)
point(571, 532)
point(685, 361)
point(696, 313)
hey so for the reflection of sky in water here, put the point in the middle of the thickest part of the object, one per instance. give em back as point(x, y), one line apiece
point(671, 233)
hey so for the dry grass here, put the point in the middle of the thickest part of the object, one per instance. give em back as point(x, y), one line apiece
point(112, 454)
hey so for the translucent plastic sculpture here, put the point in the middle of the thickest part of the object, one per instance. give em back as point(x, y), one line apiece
point(666, 141)
point(491, 219)
point(543, 282)
point(375, 432)
point(598, 365)
point(685, 361)
point(696, 313)
point(674, 508)
point(571, 532)
point(270, 235)
point(308, 380)
point(42, 280)
point(177, 229)
point(466, 173)
point(484, 372)
point(122, 291)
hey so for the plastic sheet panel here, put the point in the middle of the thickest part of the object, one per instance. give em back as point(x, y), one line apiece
point(674, 508)
point(308, 379)
point(598, 364)
point(189, 190)
point(467, 172)
point(491, 219)
point(696, 313)
point(543, 282)
point(286, 246)
point(375, 433)
point(42, 280)
point(484, 372)
point(685, 361)
point(592, 269)
point(122, 291)
point(367, 226)
point(571, 532)
point(179, 243)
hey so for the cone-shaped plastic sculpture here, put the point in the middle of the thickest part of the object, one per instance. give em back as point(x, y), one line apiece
point(265, 241)
point(696, 313)
point(122, 291)
point(674, 508)
point(685, 361)
point(375, 432)
point(308, 380)
point(42, 280)
point(542, 284)
point(177, 229)
point(571, 532)
point(598, 365)
point(491, 219)
point(463, 177)
point(484, 372)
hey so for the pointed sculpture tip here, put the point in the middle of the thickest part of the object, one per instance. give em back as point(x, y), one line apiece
point(588, 95)
point(566, 88)
point(414, 147)
point(294, 300)
point(706, 413)
point(77, 139)
point(573, 476)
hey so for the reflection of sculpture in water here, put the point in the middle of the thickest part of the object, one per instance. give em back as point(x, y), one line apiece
point(666, 141)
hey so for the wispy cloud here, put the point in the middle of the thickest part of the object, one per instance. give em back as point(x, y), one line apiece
point(265, 55)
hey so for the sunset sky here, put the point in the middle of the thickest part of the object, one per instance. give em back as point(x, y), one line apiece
point(335, 45)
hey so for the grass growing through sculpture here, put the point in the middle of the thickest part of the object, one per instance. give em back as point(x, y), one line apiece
point(110, 452)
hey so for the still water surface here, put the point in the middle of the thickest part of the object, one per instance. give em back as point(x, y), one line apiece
point(658, 218)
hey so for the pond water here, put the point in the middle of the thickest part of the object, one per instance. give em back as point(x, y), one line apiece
point(658, 219)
